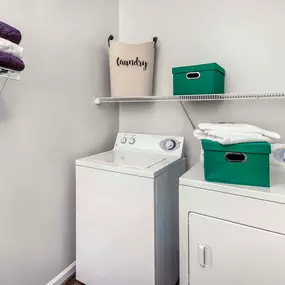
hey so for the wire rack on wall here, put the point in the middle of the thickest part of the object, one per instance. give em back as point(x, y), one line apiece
point(10, 74)
point(6, 74)
point(189, 98)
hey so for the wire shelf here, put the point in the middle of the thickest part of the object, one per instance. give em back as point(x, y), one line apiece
point(6, 74)
point(190, 98)
point(10, 74)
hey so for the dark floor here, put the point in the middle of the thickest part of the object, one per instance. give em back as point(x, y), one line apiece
point(72, 281)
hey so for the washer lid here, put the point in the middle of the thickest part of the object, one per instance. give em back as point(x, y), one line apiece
point(276, 193)
point(128, 159)
point(130, 162)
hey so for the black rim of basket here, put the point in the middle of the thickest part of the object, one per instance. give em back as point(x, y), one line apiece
point(111, 37)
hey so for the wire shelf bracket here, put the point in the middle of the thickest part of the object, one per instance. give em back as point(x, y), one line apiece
point(6, 74)
point(10, 74)
point(191, 98)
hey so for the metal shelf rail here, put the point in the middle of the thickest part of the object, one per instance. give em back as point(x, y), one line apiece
point(190, 98)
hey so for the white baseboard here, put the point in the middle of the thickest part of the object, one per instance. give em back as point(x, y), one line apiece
point(64, 275)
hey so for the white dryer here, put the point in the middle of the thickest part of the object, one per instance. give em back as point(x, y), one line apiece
point(127, 212)
point(231, 234)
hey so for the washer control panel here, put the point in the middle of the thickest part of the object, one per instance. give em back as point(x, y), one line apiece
point(277, 156)
point(123, 140)
point(126, 140)
point(169, 144)
point(150, 143)
point(132, 140)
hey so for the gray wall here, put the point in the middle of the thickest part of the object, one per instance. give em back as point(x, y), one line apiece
point(244, 36)
point(48, 119)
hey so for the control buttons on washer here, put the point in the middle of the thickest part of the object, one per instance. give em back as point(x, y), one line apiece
point(123, 140)
point(170, 144)
point(132, 140)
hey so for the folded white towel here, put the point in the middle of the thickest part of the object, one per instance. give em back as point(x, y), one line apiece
point(234, 133)
point(200, 135)
point(11, 48)
point(240, 128)
point(222, 134)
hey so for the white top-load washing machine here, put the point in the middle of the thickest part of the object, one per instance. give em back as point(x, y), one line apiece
point(231, 234)
point(127, 225)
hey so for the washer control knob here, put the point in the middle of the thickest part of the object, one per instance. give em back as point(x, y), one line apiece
point(123, 140)
point(170, 144)
point(132, 140)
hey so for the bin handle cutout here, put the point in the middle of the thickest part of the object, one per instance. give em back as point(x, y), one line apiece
point(193, 75)
point(235, 157)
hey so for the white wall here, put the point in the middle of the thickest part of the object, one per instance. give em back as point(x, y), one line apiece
point(48, 119)
point(244, 36)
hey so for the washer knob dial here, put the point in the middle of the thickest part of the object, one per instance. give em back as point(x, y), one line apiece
point(132, 140)
point(170, 144)
point(123, 140)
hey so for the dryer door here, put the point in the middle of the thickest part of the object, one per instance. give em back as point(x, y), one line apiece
point(226, 253)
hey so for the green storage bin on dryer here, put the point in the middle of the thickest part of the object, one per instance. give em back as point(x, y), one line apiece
point(198, 79)
point(244, 163)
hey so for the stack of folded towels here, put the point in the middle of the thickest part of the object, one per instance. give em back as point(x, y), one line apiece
point(234, 133)
point(10, 52)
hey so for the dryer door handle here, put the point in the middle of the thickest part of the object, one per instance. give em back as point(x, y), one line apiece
point(204, 255)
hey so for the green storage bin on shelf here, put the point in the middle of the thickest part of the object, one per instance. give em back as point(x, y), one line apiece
point(244, 163)
point(198, 79)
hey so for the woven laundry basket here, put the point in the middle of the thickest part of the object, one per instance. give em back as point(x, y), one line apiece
point(131, 68)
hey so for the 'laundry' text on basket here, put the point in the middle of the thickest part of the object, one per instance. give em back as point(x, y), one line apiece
point(136, 62)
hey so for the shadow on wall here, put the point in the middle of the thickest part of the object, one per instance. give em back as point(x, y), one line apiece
point(155, 69)
point(3, 109)
point(103, 75)
point(3, 104)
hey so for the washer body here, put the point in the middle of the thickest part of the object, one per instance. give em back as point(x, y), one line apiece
point(127, 213)
point(231, 234)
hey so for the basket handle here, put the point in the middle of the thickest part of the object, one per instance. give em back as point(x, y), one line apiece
point(111, 37)
point(235, 157)
point(193, 75)
point(154, 41)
